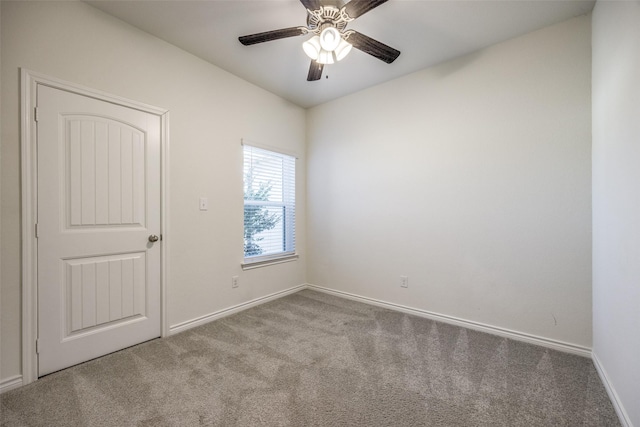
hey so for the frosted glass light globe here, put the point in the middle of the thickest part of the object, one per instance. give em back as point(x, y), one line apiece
point(342, 50)
point(325, 57)
point(312, 47)
point(330, 39)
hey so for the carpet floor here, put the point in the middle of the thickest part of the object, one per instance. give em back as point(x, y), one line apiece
point(312, 359)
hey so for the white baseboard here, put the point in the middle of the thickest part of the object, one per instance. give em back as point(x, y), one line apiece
point(16, 381)
point(494, 330)
point(10, 383)
point(613, 396)
point(183, 326)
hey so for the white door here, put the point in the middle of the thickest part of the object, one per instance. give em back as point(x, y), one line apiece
point(98, 210)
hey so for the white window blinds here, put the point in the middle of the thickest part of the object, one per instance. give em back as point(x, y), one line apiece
point(269, 204)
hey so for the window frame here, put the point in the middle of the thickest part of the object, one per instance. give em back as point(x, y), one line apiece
point(288, 203)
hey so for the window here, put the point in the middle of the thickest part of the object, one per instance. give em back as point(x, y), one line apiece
point(269, 205)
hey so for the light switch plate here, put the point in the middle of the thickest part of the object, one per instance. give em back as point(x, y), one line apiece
point(204, 204)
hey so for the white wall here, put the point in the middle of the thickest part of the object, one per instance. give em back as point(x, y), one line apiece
point(210, 110)
point(473, 178)
point(616, 200)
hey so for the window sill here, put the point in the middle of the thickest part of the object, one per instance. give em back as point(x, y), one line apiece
point(249, 265)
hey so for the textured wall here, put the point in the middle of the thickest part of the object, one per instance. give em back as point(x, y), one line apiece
point(472, 178)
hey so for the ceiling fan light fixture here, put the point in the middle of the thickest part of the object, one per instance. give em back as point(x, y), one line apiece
point(330, 38)
point(312, 47)
point(328, 47)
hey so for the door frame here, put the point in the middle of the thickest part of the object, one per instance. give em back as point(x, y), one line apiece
point(29, 80)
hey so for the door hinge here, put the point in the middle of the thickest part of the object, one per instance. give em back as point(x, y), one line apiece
point(36, 116)
point(37, 230)
point(37, 346)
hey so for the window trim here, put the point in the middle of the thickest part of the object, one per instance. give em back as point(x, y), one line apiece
point(251, 143)
point(263, 261)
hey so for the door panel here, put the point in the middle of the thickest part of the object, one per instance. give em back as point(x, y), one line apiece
point(105, 172)
point(98, 202)
point(102, 290)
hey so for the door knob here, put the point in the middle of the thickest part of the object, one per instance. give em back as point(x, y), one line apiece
point(153, 238)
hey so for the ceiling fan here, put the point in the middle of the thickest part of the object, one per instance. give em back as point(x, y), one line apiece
point(327, 21)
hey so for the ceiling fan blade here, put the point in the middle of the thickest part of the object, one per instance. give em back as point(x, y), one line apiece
point(311, 4)
point(268, 36)
point(315, 71)
point(357, 8)
point(372, 47)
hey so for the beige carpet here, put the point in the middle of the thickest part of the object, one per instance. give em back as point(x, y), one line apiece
point(311, 359)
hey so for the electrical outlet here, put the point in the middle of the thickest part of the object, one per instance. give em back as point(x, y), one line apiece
point(234, 282)
point(404, 281)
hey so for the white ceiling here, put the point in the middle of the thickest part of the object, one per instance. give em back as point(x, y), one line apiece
point(427, 32)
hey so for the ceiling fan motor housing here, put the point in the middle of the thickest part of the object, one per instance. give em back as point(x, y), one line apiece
point(327, 16)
